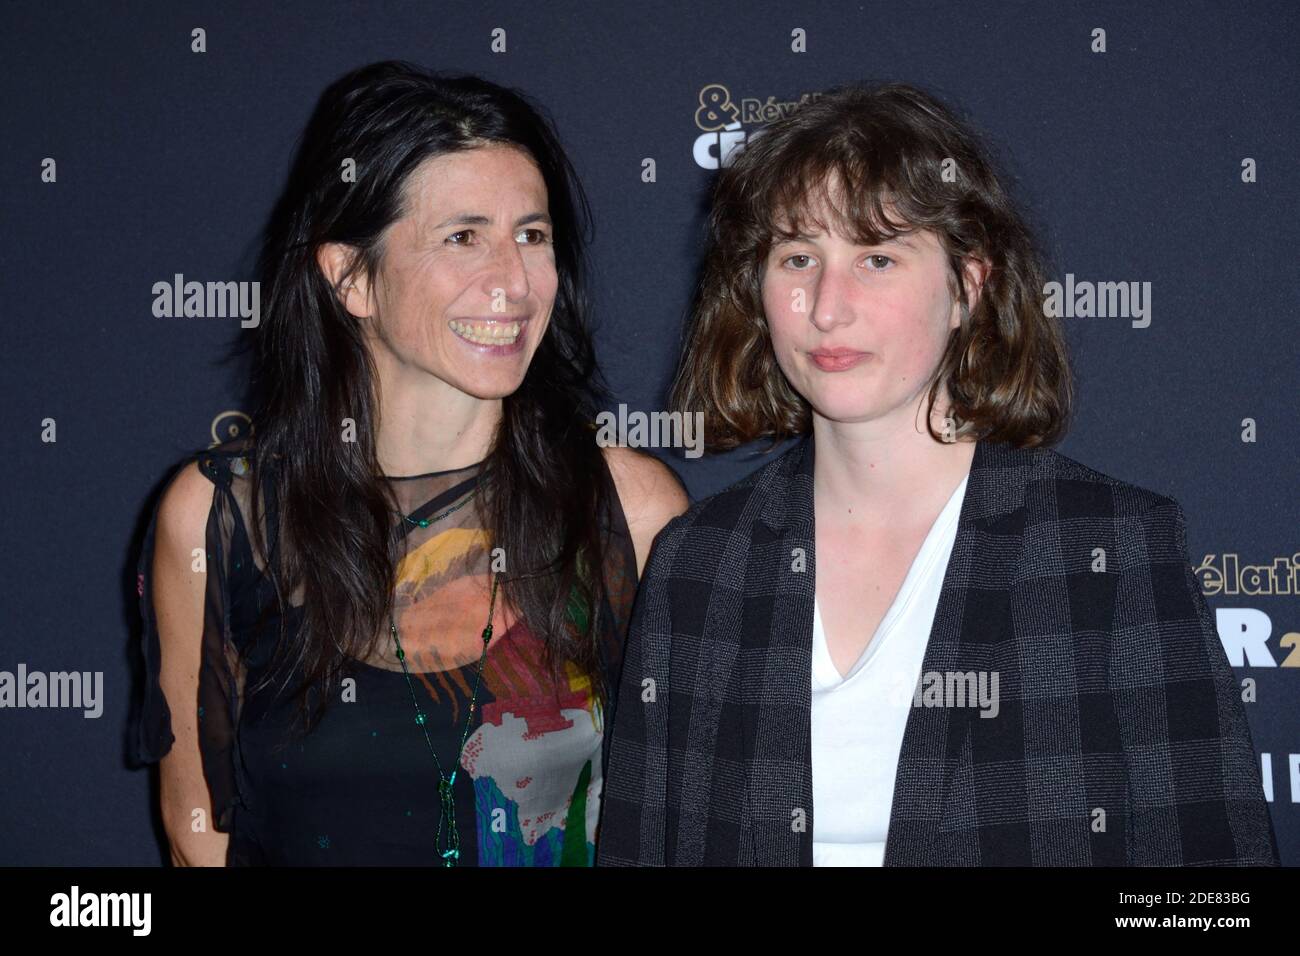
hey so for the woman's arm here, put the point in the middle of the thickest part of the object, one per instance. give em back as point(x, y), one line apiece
point(649, 493)
point(179, 598)
point(1195, 795)
point(632, 829)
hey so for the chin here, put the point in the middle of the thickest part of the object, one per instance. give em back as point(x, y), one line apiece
point(491, 391)
point(484, 382)
point(843, 408)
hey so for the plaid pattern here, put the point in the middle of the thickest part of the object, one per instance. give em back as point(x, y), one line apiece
point(1121, 738)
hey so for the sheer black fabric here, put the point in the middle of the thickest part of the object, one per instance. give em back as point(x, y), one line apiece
point(361, 788)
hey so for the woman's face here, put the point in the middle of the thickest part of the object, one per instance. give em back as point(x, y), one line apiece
point(859, 330)
point(467, 278)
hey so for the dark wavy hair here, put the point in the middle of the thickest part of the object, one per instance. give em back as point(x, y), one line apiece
point(1006, 368)
point(543, 497)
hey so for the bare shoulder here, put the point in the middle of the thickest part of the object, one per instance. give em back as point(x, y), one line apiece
point(183, 511)
point(650, 493)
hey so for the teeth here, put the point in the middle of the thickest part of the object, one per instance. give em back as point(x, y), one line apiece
point(487, 334)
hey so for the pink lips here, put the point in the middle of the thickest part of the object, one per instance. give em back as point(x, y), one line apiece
point(837, 359)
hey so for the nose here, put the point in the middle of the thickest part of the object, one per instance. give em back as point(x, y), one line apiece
point(506, 272)
point(833, 294)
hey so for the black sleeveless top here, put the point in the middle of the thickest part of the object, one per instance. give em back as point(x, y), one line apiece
point(362, 787)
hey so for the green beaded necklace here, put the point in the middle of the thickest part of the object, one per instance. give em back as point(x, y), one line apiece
point(450, 850)
point(425, 522)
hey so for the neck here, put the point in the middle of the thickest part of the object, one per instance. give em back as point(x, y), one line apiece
point(427, 425)
point(886, 471)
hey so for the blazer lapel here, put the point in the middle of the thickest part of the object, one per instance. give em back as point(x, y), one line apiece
point(776, 659)
point(776, 666)
point(973, 610)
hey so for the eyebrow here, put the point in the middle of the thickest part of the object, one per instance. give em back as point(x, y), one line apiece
point(465, 219)
point(900, 239)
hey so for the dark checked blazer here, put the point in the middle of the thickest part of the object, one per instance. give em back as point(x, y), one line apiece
point(1121, 738)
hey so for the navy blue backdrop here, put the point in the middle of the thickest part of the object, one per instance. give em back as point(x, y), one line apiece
point(1169, 157)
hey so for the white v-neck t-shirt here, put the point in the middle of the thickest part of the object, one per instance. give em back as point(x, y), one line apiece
point(858, 720)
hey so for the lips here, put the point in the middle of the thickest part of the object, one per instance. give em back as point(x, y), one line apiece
point(838, 359)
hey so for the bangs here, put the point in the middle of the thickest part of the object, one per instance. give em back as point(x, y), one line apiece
point(827, 191)
point(870, 164)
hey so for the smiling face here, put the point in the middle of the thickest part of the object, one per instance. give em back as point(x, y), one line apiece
point(467, 279)
point(859, 330)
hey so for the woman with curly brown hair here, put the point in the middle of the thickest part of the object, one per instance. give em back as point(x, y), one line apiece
point(920, 636)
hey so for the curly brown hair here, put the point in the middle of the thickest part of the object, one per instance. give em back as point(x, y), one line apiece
point(1006, 369)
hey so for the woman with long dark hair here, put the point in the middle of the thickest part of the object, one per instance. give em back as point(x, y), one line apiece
point(920, 636)
point(384, 627)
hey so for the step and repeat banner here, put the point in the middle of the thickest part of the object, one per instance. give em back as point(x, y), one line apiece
point(1152, 146)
